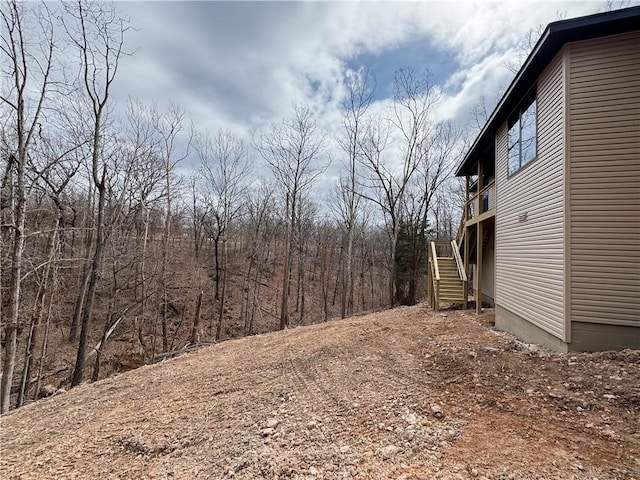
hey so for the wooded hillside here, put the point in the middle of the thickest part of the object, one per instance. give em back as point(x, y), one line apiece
point(129, 233)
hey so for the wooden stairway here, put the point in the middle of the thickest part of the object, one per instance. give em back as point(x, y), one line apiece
point(451, 285)
point(447, 281)
point(486, 237)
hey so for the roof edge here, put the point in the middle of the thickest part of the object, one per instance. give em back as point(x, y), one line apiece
point(552, 39)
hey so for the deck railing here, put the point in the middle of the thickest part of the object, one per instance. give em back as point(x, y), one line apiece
point(482, 202)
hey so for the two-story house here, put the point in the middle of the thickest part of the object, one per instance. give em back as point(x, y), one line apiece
point(551, 232)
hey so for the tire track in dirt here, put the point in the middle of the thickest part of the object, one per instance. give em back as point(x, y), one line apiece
point(347, 400)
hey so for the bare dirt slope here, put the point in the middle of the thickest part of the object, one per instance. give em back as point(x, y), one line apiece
point(402, 394)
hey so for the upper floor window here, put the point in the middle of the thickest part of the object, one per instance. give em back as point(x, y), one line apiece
point(522, 143)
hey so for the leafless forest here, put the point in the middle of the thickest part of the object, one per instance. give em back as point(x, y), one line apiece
point(128, 234)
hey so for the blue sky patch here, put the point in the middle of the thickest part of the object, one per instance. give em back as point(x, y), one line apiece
point(418, 55)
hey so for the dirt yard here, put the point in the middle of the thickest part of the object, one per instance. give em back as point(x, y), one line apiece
point(401, 394)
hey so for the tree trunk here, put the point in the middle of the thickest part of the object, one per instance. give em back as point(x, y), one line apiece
point(301, 283)
point(223, 293)
point(216, 258)
point(15, 283)
point(45, 340)
point(393, 270)
point(335, 287)
point(284, 307)
point(371, 279)
point(165, 262)
point(195, 331)
point(109, 328)
point(143, 280)
point(324, 279)
point(28, 96)
point(254, 301)
point(88, 310)
point(36, 318)
point(362, 286)
point(94, 277)
point(77, 309)
point(347, 285)
point(84, 278)
point(244, 307)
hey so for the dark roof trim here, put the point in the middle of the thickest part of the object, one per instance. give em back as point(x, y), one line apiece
point(552, 40)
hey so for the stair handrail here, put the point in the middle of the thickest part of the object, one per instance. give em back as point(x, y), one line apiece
point(456, 254)
point(435, 276)
point(461, 229)
point(434, 257)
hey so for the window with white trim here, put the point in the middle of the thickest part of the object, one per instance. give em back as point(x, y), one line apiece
point(522, 144)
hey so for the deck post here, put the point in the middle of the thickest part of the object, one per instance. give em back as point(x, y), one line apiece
point(479, 235)
point(465, 285)
point(465, 216)
point(480, 187)
point(479, 241)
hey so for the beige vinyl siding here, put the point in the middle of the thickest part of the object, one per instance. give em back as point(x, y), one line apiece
point(488, 268)
point(529, 254)
point(604, 197)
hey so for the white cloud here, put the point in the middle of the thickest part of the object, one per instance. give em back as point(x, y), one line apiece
point(241, 65)
point(465, 87)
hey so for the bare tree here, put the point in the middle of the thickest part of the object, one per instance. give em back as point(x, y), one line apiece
point(529, 40)
point(610, 5)
point(447, 206)
point(355, 105)
point(414, 96)
point(292, 149)
point(147, 192)
point(329, 244)
point(442, 151)
point(225, 168)
point(97, 32)
point(198, 212)
point(27, 47)
point(168, 128)
point(259, 212)
point(52, 167)
point(480, 113)
point(305, 221)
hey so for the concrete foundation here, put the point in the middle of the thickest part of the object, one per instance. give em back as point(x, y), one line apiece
point(527, 331)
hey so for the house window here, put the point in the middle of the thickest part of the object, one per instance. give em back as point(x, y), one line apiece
point(522, 137)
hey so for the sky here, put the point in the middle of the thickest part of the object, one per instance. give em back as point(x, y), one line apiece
point(241, 65)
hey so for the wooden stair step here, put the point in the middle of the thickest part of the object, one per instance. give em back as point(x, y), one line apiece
point(450, 287)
